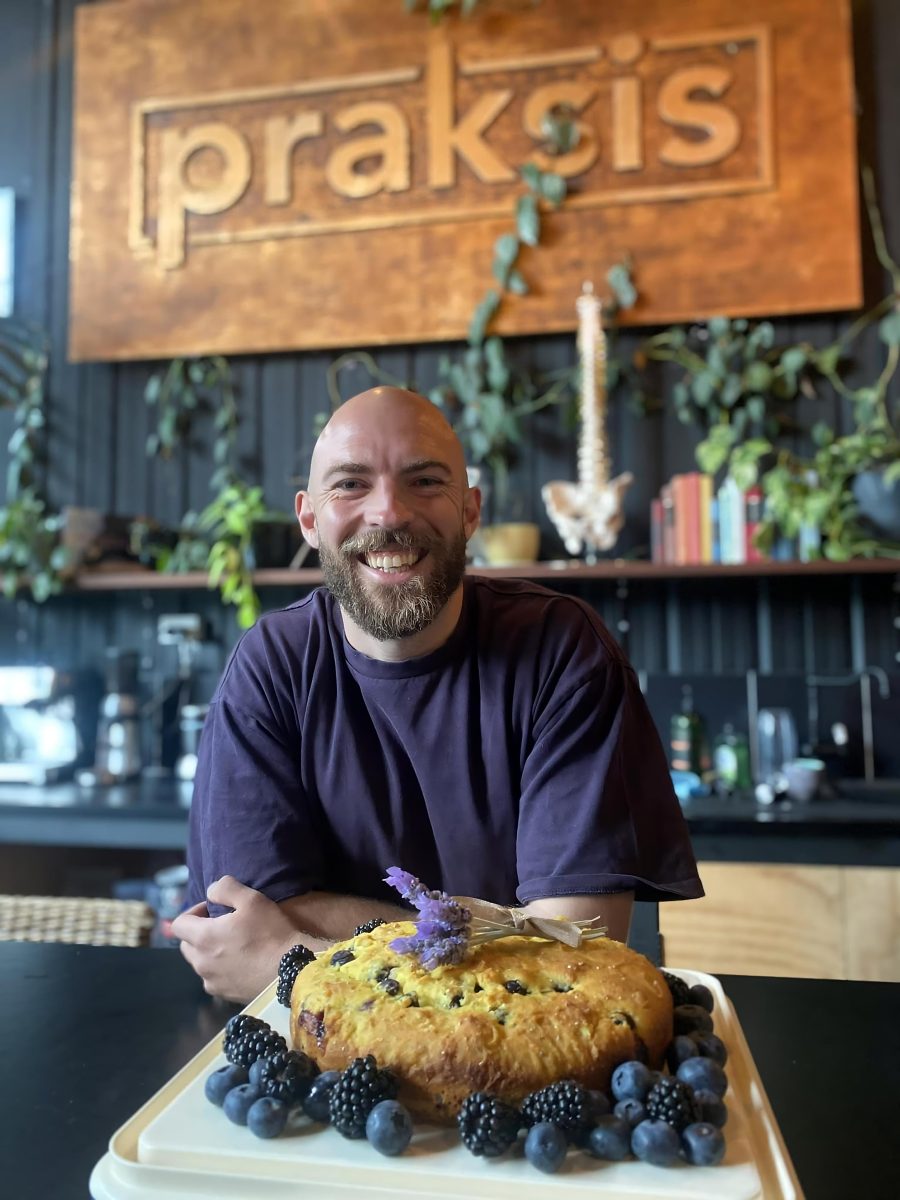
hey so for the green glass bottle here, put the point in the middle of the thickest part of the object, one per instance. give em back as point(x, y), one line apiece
point(731, 761)
point(687, 737)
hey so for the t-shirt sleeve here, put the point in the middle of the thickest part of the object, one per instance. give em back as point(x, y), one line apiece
point(249, 816)
point(598, 812)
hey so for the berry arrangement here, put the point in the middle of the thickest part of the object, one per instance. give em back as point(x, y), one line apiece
point(655, 1117)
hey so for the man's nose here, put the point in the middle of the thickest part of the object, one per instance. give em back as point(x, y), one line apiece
point(386, 505)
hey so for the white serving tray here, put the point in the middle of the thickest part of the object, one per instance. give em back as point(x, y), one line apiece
point(178, 1146)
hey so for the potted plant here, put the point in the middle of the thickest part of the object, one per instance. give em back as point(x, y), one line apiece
point(233, 521)
point(236, 533)
point(30, 550)
point(740, 386)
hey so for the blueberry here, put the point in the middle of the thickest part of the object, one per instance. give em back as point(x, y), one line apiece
point(317, 1098)
point(655, 1142)
point(712, 1107)
point(679, 1049)
point(700, 994)
point(220, 1083)
point(340, 958)
point(610, 1139)
point(712, 1047)
point(238, 1101)
point(704, 1145)
point(598, 1105)
point(703, 1074)
point(689, 1017)
point(389, 1127)
point(631, 1081)
point(631, 1111)
point(545, 1147)
point(266, 1117)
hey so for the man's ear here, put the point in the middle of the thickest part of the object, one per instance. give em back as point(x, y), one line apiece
point(307, 518)
point(471, 511)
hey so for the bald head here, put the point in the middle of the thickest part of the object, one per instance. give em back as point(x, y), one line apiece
point(392, 413)
point(389, 509)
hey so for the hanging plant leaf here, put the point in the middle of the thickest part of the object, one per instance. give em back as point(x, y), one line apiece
point(793, 359)
point(619, 280)
point(517, 283)
point(822, 434)
point(482, 316)
point(528, 221)
point(889, 328)
point(531, 173)
point(506, 251)
point(552, 187)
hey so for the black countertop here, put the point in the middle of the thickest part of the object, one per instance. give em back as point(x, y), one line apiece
point(87, 1035)
point(152, 814)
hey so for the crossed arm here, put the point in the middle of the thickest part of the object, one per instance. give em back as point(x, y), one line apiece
point(237, 955)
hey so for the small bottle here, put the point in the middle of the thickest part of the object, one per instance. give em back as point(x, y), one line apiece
point(687, 737)
point(731, 761)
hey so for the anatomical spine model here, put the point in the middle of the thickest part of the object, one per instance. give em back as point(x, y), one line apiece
point(589, 513)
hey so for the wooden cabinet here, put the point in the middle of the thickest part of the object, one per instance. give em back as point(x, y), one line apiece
point(781, 919)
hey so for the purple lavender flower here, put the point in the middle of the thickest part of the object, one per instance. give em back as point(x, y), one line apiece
point(407, 885)
point(442, 928)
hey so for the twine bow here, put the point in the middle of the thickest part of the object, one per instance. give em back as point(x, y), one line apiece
point(492, 921)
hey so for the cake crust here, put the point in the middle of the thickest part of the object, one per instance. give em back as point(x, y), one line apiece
point(517, 1014)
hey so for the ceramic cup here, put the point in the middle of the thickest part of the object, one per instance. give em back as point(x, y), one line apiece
point(803, 775)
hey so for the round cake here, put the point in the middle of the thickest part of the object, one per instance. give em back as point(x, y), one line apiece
point(516, 1014)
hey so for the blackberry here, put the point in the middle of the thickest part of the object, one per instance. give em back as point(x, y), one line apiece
point(248, 1038)
point(672, 1101)
point(369, 926)
point(681, 993)
point(292, 963)
point(486, 1125)
point(361, 1086)
point(287, 1077)
point(565, 1104)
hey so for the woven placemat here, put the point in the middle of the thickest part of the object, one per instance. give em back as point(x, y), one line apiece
point(87, 922)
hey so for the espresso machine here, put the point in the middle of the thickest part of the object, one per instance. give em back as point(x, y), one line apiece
point(48, 721)
point(118, 755)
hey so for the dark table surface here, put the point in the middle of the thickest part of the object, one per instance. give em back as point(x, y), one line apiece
point(88, 1034)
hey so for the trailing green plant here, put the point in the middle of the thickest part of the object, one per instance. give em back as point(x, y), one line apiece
point(485, 397)
point(182, 390)
point(220, 538)
point(229, 521)
point(30, 552)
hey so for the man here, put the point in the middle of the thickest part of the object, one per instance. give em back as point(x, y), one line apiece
point(488, 736)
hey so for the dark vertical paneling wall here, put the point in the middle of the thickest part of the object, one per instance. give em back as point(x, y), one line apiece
point(99, 422)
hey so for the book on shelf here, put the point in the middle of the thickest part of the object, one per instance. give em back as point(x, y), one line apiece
point(753, 510)
point(657, 549)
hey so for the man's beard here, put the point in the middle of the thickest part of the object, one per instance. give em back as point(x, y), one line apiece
point(393, 610)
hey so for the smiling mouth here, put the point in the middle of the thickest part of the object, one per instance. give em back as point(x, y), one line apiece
point(392, 562)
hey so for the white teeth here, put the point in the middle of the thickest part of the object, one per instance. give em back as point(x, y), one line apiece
point(391, 562)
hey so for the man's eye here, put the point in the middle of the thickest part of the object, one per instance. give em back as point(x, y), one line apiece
point(428, 481)
point(348, 485)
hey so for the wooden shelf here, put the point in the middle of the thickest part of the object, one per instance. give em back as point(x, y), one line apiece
point(617, 568)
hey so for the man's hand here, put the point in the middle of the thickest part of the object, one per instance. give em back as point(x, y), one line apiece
point(237, 955)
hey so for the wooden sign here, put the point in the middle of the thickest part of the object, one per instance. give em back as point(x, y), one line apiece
point(310, 173)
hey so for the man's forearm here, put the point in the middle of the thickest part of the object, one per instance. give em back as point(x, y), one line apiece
point(331, 917)
point(613, 909)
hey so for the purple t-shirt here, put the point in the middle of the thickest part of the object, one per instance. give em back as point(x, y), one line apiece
point(518, 760)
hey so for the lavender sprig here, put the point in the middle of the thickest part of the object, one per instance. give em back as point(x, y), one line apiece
point(442, 927)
